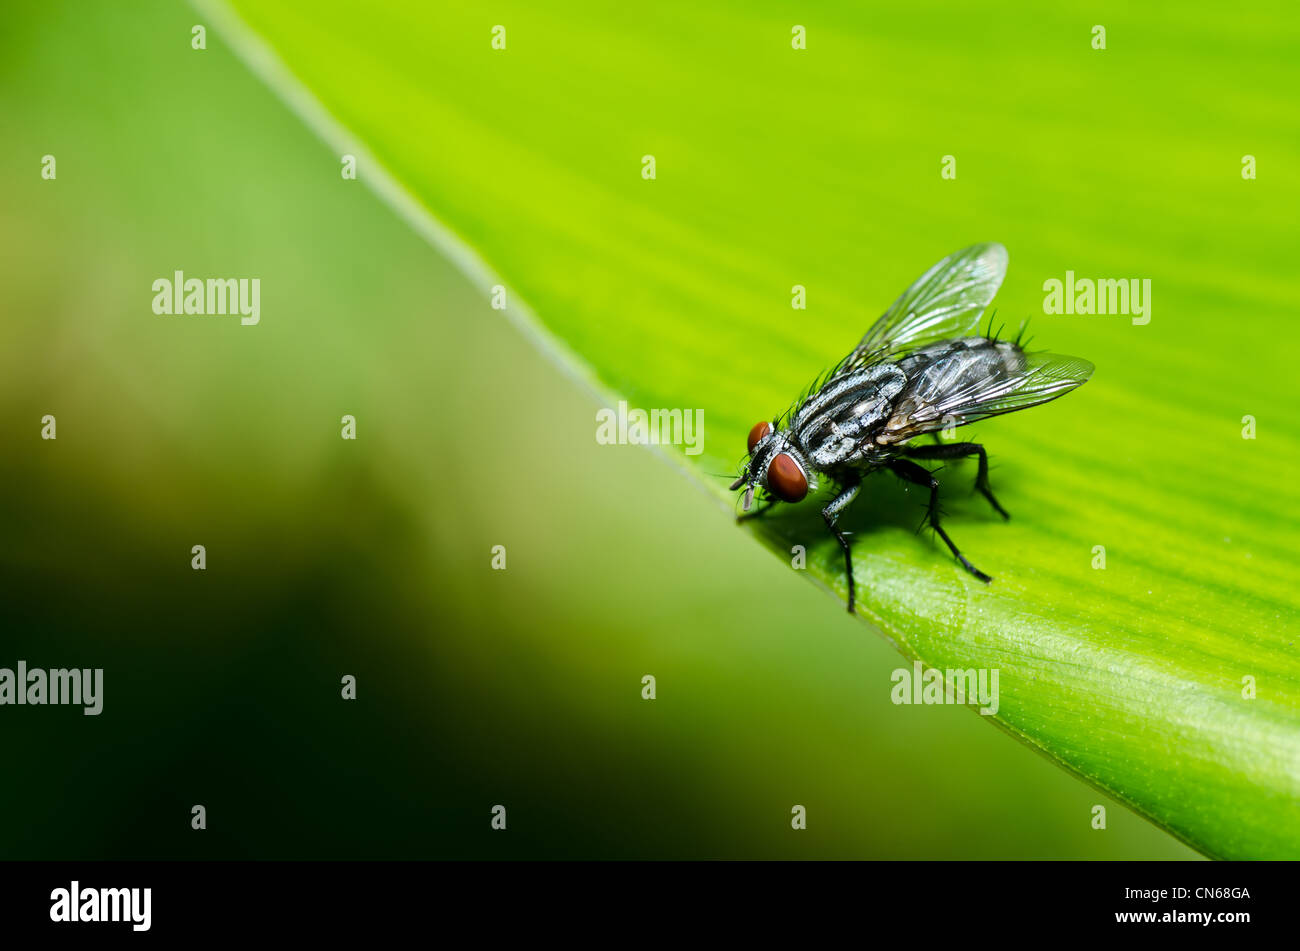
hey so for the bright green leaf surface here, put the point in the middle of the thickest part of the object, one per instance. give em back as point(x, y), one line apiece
point(821, 167)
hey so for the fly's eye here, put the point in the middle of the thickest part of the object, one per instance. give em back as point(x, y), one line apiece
point(758, 432)
point(786, 479)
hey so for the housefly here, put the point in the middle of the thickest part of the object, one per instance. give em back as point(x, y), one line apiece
point(923, 367)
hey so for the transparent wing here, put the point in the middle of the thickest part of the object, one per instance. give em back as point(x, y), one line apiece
point(969, 380)
point(943, 303)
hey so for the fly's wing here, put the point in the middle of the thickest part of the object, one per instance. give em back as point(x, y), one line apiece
point(977, 379)
point(945, 302)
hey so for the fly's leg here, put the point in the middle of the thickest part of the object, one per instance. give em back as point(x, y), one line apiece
point(761, 510)
point(911, 472)
point(831, 514)
point(960, 450)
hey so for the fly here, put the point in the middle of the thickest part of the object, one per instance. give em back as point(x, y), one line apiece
point(922, 367)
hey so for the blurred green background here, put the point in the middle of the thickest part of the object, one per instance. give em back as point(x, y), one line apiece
point(371, 557)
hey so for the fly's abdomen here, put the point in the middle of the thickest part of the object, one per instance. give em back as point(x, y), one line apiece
point(947, 374)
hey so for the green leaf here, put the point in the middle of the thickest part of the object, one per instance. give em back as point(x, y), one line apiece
point(821, 167)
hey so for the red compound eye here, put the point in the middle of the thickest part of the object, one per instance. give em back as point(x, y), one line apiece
point(758, 432)
point(785, 479)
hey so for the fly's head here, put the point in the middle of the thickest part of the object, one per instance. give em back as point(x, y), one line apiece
point(775, 465)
